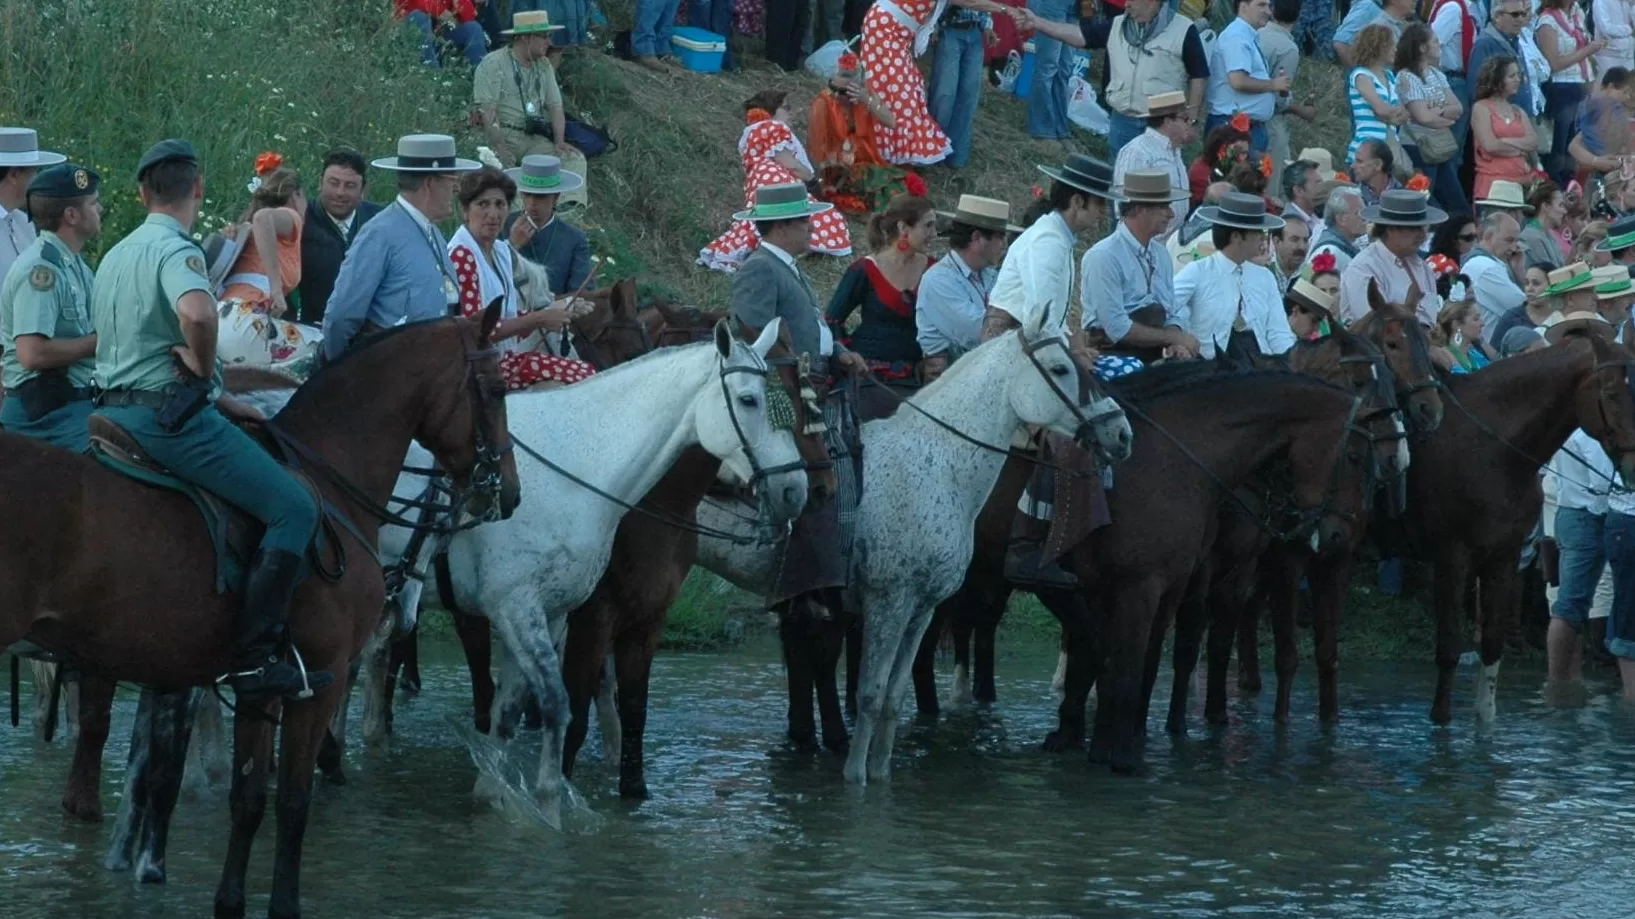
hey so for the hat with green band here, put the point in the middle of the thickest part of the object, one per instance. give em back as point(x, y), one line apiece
point(1576, 276)
point(542, 174)
point(788, 201)
point(1612, 282)
point(1621, 235)
point(531, 22)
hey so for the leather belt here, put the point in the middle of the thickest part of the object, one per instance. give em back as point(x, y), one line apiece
point(119, 398)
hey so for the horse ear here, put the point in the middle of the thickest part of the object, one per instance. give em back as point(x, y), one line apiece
point(491, 319)
point(1376, 303)
point(1038, 324)
point(769, 336)
point(723, 339)
point(669, 312)
point(1411, 302)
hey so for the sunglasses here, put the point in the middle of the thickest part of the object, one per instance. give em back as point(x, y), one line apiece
point(1467, 237)
point(1515, 14)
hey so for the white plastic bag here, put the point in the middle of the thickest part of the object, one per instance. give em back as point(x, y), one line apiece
point(1012, 70)
point(1083, 109)
point(824, 62)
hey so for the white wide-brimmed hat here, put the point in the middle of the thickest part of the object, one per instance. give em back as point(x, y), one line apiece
point(1505, 195)
point(426, 153)
point(20, 148)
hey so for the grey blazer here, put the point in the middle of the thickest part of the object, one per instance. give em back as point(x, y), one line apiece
point(765, 287)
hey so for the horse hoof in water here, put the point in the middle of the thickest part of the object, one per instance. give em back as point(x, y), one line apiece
point(329, 761)
point(1062, 742)
point(149, 871)
point(633, 790)
point(841, 747)
point(806, 746)
point(1248, 681)
point(1176, 727)
point(86, 810)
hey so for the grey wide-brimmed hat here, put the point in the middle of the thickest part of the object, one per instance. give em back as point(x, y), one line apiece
point(788, 201)
point(1086, 173)
point(1150, 187)
point(542, 174)
point(426, 153)
point(1241, 211)
point(982, 213)
point(20, 149)
point(1404, 209)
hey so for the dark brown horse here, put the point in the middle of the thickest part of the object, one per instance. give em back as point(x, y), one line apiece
point(147, 610)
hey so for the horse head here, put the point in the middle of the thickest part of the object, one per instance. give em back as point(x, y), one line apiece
point(465, 427)
point(750, 426)
point(1054, 391)
point(1333, 469)
point(1605, 400)
point(1361, 367)
point(613, 332)
point(1395, 329)
point(821, 481)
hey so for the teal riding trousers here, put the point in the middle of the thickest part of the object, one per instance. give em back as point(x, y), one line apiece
point(63, 428)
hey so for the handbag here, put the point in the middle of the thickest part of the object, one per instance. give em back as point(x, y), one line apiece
point(1436, 145)
point(1402, 168)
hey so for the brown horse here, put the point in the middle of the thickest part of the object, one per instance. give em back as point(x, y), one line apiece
point(148, 611)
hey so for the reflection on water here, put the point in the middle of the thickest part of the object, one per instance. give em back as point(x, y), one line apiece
point(1384, 816)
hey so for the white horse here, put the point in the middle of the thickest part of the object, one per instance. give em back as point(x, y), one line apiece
point(618, 433)
point(922, 490)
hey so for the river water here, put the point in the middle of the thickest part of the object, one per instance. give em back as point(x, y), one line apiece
point(1384, 816)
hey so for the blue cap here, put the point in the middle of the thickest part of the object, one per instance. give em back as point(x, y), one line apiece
point(166, 151)
point(64, 180)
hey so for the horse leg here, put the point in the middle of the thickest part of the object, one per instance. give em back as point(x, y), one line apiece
point(982, 658)
point(633, 663)
point(209, 765)
point(1134, 610)
point(82, 799)
point(1189, 634)
point(828, 695)
point(925, 666)
point(607, 711)
point(133, 806)
point(376, 678)
point(477, 640)
point(854, 663)
point(1452, 567)
point(884, 622)
point(885, 739)
point(1223, 628)
point(1248, 636)
point(252, 754)
point(1283, 580)
point(533, 656)
point(1329, 578)
point(171, 725)
point(797, 640)
point(408, 651)
point(584, 656)
point(1499, 598)
point(961, 628)
point(304, 726)
point(1078, 656)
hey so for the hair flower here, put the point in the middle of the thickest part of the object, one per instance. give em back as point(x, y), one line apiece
point(1441, 264)
point(267, 162)
point(1323, 263)
point(1341, 177)
point(1240, 122)
point(1266, 165)
point(847, 63)
point(915, 185)
point(1419, 183)
point(1037, 191)
point(757, 115)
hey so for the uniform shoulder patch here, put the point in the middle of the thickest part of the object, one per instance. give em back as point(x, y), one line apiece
point(195, 263)
point(42, 278)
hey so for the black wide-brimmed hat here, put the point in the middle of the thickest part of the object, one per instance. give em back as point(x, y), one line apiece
point(1086, 173)
point(1241, 211)
point(1405, 209)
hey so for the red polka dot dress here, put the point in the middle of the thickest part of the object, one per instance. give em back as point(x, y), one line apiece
point(888, 68)
point(520, 367)
point(764, 139)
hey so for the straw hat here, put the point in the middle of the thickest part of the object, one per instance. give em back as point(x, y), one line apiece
point(1404, 209)
point(1150, 188)
point(542, 174)
point(1612, 282)
point(426, 153)
point(1172, 103)
point(1323, 159)
point(1576, 276)
point(1579, 321)
point(1185, 253)
point(1314, 298)
point(1086, 173)
point(1505, 195)
point(982, 213)
point(532, 22)
point(20, 149)
point(1241, 211)
point(788, 201)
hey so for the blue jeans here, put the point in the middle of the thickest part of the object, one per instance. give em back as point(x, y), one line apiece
point(1121, 129)
point(1618, 535)
point(1052, 66)
point(1580, 537)
point(1562, 102)
point(716, 16)
point(1461, 128)
point(1444, 178)
point(210, 452)
point(468, 37)
point(956, 87)
point(655, 22)
point(1257, 131)
point(1317, 21)
point(1390, 576)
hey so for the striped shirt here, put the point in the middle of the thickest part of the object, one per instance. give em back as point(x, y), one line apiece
point(1365, 124)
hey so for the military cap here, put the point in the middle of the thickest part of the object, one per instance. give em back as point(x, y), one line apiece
point(165, 151)
point(65, 180)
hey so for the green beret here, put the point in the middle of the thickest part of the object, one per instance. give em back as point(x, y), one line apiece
point(165, 151)
point(65, 180)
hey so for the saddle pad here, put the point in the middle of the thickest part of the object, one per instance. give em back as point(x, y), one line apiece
point(1079, 505)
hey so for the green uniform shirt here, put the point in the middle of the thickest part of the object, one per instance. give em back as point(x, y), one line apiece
point(46, 292)
point(495, 83)
point(141, 280)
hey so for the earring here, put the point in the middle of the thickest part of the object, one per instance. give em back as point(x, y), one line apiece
point(903, 245)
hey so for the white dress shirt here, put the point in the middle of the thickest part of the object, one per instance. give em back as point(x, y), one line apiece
point(1215, 291)
point(16, 234)
point(1495, 290)
point(1577, 485)
point(1615, 22)
point(1036, 279)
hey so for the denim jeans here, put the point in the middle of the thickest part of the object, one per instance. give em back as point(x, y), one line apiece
point(1121, 129)
point(655, 22)
point(1578, 534)
point(1316, 21)
point(1461, 128)
point(1258, 141)
point(1562, 102)
point(1618, 534)
point(956, 87)
point(1444, 178)
point(1052, 67)
point(715, 16)
point(467, 36)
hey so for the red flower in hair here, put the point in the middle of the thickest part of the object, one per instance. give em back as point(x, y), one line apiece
point(1266, 165)
point(757, 115)
point(1324, 262)
point(1341, 177)
point(267, 162)
point(847, 63)
point(1419, 183)
point(915, 185)
point(1441, 264)
point(1240, 122)
point(1037, 191)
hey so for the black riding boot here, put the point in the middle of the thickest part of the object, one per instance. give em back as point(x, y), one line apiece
point(258, 670)
point(1026, 549)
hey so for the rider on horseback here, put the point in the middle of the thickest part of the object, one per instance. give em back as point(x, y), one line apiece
point(155, 319)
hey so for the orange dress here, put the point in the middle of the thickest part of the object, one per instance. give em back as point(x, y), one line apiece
point(248, 279)
point(761, 141)
point(888, 65)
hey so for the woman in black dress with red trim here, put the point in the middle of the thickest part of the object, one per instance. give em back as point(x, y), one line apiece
point(883, 286)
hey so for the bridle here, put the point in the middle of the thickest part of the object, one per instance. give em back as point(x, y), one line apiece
point(780, 413)
point(1388, 407)
point(1085, 429)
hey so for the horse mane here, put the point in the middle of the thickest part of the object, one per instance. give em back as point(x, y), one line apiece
point(373, 341)
point(1172, 378)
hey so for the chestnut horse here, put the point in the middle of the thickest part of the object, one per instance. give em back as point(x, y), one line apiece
point(146, 610)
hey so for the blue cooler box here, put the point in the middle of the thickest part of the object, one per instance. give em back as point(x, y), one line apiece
point(698, 50)
point(1024, 76)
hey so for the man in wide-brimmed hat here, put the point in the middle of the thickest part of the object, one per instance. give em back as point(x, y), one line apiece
point(1620, 242)
point(398, 269)
point(1036, 280)
point(1505, 195)
point(1126, 281)
point(953, 293)
point(1401, 220)
point(520, 102)
point(1573, 290)
point(542, 236)
point(1614, 293)
point(154, 313)
point(1227, 291)
point(20, 158)
point(1158, 149)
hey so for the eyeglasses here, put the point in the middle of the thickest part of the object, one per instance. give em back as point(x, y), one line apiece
point(1514, 14)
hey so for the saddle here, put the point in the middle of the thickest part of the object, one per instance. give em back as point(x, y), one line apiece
point(233, 533)
point(1152, 316)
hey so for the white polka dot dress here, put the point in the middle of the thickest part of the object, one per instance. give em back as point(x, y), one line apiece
point(888, 68)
